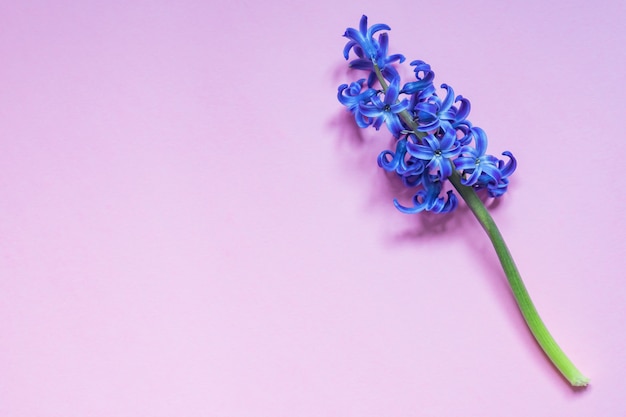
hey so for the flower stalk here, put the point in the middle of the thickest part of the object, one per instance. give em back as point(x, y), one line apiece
point(524, 302)
point(435, 143)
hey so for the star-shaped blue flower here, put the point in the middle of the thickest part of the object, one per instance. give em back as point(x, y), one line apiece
point(424, 76)
point(350, 96)
point(383, 62)
point(438, 149)
point(408, 168)
point(433, 111)
point(428, 199)
point(362, 40)
point(386, 110)
point(474, 162)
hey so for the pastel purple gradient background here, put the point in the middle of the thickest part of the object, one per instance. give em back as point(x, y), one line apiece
point(189, 226)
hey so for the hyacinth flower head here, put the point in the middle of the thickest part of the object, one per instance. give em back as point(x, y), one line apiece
point(436, 144)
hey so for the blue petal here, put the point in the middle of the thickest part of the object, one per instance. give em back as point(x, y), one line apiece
point(480, 140)
point(346, 49)
point(420, 151)
point(448, 140)
point(411, 167)
point(370, 111)
point(391, 95)
point(510, 167)
point(362, 64)
point(362, 121)
point(394, 124)
point(445, 169)
point(412, 180)
point(383, 44)
point(363, 25)
point(465, 163)
point(427, 109)
point(428, 127)
point(378, 122)
point(472, 179)
point(464, 108)
point(432, 141)
point(396, 158)
point(378, 102)
point(396, 57)
point(492, 171)
point(417, 205)
point(445, 206)
point(447, 102)
point(390, 74)
point(375, 28)
point(398, 107)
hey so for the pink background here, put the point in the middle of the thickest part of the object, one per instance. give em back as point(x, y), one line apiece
point(190, 227)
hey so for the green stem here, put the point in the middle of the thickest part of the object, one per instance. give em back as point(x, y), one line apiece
point(525, 304)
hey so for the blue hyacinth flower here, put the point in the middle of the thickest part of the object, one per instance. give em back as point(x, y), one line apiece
point(476, 164)
point(386, 110)
point(438, 150)
point(362, 41)
point(435, 143)
point(351, 96)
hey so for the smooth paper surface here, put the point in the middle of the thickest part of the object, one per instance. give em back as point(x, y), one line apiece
point(191, 225)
